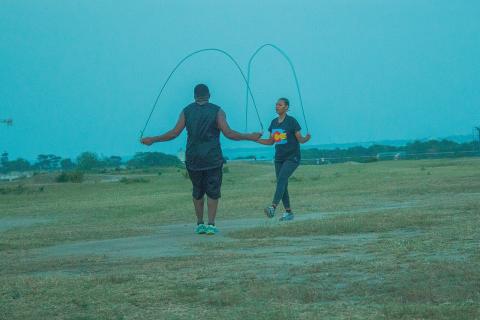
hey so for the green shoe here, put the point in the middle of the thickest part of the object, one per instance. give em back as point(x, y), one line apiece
point(201, 229)
point(287, 216)
point(211, 230)
point(269, 211)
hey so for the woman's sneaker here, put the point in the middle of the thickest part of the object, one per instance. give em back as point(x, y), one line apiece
point(269, 211)
point(287, 216)
point(211, 230)
point(201, 229)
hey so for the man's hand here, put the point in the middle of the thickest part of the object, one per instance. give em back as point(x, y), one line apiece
point(147, 141)
point(254, 136)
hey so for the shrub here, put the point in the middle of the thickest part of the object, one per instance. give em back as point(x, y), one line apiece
point(62, 177)
point(19, 189)
point(133, 180)
point(75, 177)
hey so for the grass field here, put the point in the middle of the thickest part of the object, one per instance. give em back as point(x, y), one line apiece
point(385, 240)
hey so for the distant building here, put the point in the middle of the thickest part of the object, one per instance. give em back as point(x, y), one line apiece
point(12, 176)
point(395, 155)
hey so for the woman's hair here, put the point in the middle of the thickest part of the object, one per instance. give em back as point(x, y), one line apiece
point(287, 102)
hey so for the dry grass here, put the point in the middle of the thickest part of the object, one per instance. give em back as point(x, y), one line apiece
point(416, 262)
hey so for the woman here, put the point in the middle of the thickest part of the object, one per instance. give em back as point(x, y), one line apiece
point(285, 134)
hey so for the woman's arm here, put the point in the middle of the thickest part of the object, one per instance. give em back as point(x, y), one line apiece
point(267, 142)
point(169, 135)
point(302, 139)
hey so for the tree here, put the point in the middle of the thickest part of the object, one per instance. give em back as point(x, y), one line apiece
point(113, 161)
point(67, 164)
point(88, 161)
point(47, 161)
point(150, 159)
point(19, 165)
point(15, 165)
point(42, 161)
point(54, 161)
point(4, 159)
point(419, 148)
point(4, 162)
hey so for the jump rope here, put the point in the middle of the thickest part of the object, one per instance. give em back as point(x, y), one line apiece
point(246, 79)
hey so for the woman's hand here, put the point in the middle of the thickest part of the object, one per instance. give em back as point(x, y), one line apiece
point(307, 137)
point(301, 139)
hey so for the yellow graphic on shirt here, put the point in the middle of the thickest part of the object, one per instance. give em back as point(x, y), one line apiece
point(279, 136)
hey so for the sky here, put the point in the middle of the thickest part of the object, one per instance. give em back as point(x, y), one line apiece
point(83, 75)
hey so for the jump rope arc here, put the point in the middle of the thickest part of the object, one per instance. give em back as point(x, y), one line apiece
point(294, 75)
point(249, 92)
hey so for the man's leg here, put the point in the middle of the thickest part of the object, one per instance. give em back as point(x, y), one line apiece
point(214, 184)
point(198, 193)
point(199, 205)
point(212, 210)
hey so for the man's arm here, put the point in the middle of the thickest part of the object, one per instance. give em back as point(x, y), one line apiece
point(169, 135)
point(232, 134)
point(301, 139)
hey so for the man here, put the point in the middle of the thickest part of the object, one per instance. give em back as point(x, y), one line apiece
point(203, 156)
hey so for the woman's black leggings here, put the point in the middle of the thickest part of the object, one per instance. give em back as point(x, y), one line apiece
point(283, 171)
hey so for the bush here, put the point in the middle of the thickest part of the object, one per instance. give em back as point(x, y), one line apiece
point(133, 180)
point(19, 189)
point(75, 177)
point(62, 177)
point(369, 160)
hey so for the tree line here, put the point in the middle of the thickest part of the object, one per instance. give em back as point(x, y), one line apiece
point(91, 161)
point(416, 149)
point(86, 161)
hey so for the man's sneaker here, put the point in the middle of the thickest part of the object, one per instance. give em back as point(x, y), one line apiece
point(269, 211)
point(211, 230)
point(287, 216)
point(201, 229)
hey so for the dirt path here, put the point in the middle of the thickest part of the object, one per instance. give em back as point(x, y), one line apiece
point(179, 240)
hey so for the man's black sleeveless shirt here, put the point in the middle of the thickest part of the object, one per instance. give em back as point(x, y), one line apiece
point(203, 137)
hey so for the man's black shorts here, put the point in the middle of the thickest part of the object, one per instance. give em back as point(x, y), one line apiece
point(206, 181)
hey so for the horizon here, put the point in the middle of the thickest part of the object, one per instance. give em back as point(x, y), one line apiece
point(245, 150)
